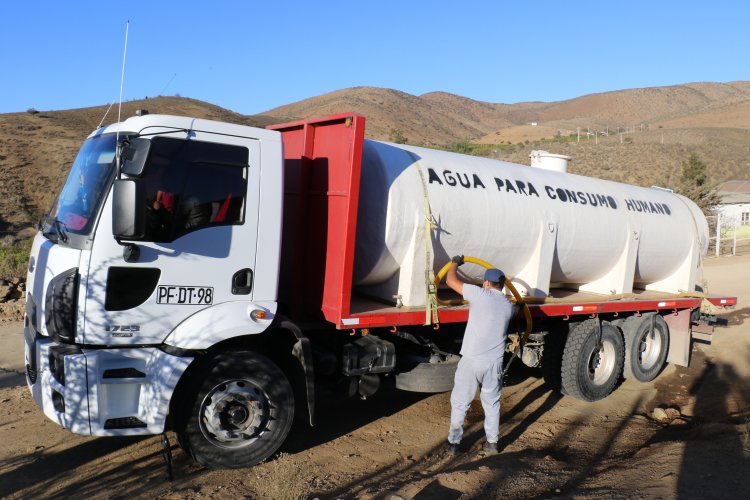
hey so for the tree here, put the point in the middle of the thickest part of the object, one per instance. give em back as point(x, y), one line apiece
point(694, 185)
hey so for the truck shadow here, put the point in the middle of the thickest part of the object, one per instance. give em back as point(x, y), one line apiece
point(717, 451)
point(737, 317)
point(499, 472)
point(37, 474)
point(337, 415)
point(11, 378)
point(714, 463)
point(98, 467)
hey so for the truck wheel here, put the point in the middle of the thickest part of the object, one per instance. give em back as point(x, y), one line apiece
point(429, 377)
point(592, 363)
point(240, 414)
point(554, 344)
point(646, 346)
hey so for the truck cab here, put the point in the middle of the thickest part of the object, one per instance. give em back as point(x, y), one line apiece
point(164, 242)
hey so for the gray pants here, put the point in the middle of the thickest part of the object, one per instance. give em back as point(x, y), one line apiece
point(470, 374)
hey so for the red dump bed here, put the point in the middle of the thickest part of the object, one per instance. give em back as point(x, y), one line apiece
point(322, 164)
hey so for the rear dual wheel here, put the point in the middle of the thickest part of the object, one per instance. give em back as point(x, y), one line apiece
point(646, 346)
point(592, 360)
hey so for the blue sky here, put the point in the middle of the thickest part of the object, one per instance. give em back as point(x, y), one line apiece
point(251, 56)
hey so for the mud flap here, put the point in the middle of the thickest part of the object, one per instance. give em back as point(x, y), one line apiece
point(302, 350)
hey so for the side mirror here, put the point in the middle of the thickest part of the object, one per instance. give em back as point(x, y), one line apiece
point(134, 155)
point(128, 209)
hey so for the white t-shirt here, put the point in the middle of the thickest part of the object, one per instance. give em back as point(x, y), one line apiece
point(489, 314)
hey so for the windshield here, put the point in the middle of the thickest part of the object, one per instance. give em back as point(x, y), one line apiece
point(79, 200)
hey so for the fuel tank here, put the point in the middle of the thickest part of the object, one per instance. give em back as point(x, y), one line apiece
point(545, 229)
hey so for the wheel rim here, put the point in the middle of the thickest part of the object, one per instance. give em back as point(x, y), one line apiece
point(602, 363)
point(234, 414)
point(649, 348)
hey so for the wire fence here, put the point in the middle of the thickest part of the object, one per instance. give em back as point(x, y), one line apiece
point(728, 235)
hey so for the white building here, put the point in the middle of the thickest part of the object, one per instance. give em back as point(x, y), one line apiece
point(735, 201)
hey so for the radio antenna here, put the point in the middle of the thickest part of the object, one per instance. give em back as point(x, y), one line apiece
point(122, 78)
point(105, 115)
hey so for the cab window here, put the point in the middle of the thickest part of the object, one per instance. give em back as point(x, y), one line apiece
point(191, 185)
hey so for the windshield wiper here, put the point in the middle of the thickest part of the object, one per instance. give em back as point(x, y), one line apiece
point(62, 229)
point(59, 226)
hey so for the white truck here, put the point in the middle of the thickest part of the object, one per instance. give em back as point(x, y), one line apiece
point(205, 277)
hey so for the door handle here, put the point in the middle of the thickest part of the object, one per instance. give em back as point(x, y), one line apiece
point(242, 282)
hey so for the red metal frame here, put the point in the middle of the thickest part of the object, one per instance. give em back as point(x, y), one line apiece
point(322, 170)
point(566, 311)
point(322, 166)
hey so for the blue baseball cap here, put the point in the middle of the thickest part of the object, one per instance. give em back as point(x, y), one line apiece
point(494, 275)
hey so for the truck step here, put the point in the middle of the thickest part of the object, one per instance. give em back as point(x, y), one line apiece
point(124, 423)
point(123, 373)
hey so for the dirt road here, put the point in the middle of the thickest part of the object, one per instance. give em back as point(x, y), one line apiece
point(551, 445)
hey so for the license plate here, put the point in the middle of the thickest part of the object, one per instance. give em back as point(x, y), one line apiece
point(185, 295)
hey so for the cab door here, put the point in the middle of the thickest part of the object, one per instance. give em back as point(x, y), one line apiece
point(201, 210)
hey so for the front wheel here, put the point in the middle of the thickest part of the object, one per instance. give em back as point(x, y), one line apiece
point(240, 413)
point(592, 360)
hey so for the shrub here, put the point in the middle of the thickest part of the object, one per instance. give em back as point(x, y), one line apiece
point(463, 147)
point(13, 261)
point(398, 136)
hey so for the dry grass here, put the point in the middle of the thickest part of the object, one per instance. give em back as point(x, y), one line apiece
point(284, 479)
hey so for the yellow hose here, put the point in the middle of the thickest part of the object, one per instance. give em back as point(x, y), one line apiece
point(518, 299)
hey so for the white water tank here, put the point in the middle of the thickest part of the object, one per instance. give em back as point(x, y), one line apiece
point(549, 161)
point(543, 228)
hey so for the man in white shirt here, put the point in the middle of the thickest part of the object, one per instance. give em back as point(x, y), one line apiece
point(481, 363)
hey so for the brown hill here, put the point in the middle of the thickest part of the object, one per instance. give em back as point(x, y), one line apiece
point(639, 106)
point(662, 127)
point(441, 118)
point(423, 120)
point(640, 136)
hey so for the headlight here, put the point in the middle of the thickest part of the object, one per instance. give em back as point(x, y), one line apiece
point(61, 304)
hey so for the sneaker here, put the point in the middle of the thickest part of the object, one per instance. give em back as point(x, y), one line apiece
point(489, 448)
point(451, 449)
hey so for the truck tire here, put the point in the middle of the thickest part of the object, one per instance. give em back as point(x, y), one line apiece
point(554, 344)
point(592, 363)
point(239, 413)
point(646, 346)
point(429, 377)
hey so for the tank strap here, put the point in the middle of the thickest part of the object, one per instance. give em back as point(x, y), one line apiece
point(431, 306)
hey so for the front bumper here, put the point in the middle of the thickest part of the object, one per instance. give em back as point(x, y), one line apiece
point(102, 392)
